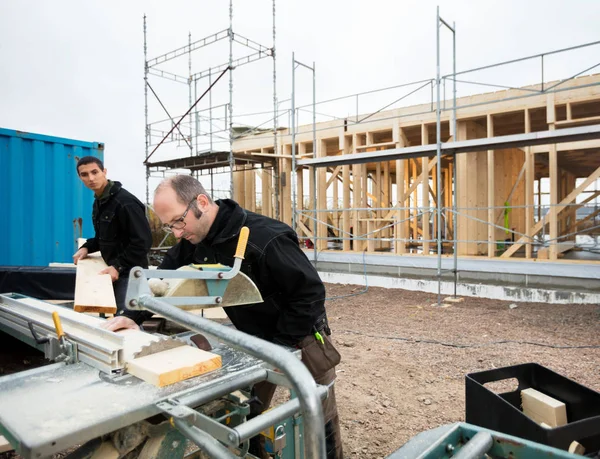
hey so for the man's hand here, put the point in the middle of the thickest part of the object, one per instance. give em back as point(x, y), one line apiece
point(80, 254)
point(114, 274)
point(120, 323)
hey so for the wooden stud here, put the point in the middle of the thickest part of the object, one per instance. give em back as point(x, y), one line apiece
point(425, 192)
point(490, 192)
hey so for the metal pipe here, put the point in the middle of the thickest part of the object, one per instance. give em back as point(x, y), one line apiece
point(207, 443)
point(275, 121)
point(314, 169)
point(439, 162)
point(248, 429)
point(231, 161)
point(299, 376)
point(146, 127)
point(454, 195)
point(293, 178)
point(476, 447)
point(190, 89)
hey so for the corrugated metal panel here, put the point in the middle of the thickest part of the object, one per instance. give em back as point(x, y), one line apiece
point(45, 205)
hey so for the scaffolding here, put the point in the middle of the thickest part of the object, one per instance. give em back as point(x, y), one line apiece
point(391, 150)
point(219, 119)
point(336, 150)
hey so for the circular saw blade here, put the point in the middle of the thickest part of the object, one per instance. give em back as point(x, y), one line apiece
point(163, 344)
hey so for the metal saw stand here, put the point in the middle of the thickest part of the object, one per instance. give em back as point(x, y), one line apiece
point(290, 372)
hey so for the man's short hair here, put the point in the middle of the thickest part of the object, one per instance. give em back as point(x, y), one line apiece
point(186, 188)
point(89, 160)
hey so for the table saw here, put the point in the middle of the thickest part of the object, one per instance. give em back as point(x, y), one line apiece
point(88, 394)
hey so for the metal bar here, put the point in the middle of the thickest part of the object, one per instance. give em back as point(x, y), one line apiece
point(275, 127)
point(189, 48)
point(495, 85)
point(512, 61)
point(168, 114)
point(257, 424)
point(476, 447)
point(207, 444)
point(231, 159)
point(438, 166)
point(185, 114)
point(392, 103)
point(249, 43)
point(146, 126)
point(455, 189)
point(235, 63)
point(572, 77)
point(301, 380)
point(168, 75)
point(293, 179)
point(464, 146)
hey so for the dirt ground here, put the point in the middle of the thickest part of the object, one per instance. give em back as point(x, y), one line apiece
point(403, 370)
point(404, 361)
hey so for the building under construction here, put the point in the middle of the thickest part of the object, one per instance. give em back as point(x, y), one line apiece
point(487, 178)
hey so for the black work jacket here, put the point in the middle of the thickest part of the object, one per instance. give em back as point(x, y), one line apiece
point(123, 234)
point(293, 293)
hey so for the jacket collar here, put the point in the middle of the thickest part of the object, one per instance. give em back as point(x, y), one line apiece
point(110, 189)
point(228, 222)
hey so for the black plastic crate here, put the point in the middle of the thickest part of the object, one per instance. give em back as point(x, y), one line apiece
point(502, 412)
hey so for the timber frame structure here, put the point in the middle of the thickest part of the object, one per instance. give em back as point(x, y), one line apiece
point(377, 188)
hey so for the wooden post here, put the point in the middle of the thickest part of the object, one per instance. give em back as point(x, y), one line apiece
point(425, 191)
point(346, 146)
point(529, 179)
point(490, 192)
point(322, 198)
point(553, 168)
point(249, 190)
point(400, 227)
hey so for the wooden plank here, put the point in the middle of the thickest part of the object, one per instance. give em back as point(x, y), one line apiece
point(93, 292)
point(543, 408)
point(561, 247)
point(576, 448)
point(174, 365)
point(425, 191)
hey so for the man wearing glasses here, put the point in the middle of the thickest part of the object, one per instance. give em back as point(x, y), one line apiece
point(293, 311)
point(122, 233)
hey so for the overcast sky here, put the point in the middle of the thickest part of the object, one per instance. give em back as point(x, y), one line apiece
point(75, 69)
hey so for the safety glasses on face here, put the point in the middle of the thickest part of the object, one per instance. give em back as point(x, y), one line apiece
point(179, 224)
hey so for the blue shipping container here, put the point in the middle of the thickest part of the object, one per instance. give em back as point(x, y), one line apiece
point(45, 205)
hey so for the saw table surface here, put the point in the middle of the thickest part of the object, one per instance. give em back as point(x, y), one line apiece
point(52, 408)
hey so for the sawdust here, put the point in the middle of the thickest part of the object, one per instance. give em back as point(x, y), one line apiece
point(403, 370)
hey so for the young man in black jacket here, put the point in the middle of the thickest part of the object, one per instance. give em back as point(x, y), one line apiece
point(122, 233)
point(293, 311)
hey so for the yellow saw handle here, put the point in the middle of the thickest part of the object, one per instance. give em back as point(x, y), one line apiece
point(57, 325)
point(242, 242)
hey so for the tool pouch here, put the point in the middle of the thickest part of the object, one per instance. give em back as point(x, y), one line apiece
point(319, 358)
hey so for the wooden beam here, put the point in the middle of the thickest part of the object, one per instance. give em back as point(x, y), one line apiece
point(334, 175)
point(529, 180)
point(491, 198)
point(543, 408)
point(555, 210)
point(174, 365)
point(94, 292)
point(425, 192)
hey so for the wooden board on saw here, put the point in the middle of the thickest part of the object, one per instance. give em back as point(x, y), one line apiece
point(173, 365)
point(93, 292)
point(240, 290)
point(165, 367)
